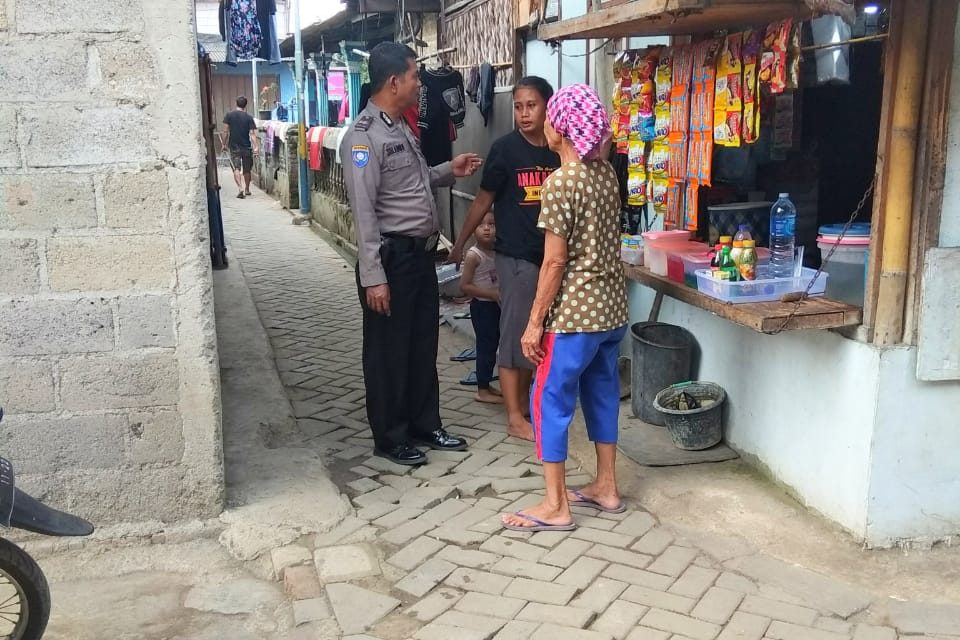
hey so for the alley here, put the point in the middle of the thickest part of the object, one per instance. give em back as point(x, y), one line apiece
point(419, 553)
point(424, 556)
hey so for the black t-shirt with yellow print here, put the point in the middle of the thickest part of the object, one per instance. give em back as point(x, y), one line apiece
point(514, 172)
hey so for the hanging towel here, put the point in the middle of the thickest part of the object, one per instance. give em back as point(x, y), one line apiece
point(266, 17)
point(487, 82)
point(473, 83)
point(245, 35)
point(315, 147)
point(268, 139)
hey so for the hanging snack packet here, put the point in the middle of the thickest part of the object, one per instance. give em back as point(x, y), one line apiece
point(773, 60)
point(645, 93)
point(636, 123)
point(752, 47)
point(793, 57)
point(659, 162)
point(728, 103)
point(624, 88)
point(636, 187)
point(662, 122)
point(664, 77)
point(636, 156)
point(657, 190)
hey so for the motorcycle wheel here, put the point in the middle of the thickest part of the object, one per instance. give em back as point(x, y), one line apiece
point(24, 595)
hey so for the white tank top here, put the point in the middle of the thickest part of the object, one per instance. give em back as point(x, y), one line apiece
point(485, 275)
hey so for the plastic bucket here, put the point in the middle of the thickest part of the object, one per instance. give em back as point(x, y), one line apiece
point(693, 429)
point(662, 356)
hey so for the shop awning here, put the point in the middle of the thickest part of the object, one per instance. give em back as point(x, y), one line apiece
point(763, 317)
point(673, 17)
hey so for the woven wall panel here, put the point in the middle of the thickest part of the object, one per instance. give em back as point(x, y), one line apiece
point(482, 33)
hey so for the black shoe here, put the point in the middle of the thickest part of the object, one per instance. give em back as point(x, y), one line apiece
point(441, 440)
point(402, 454)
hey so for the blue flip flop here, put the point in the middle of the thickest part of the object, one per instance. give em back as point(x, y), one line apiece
point(538, 525)
point(585, 501)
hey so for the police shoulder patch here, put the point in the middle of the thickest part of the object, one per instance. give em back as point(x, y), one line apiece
point(363, 124)
point(360, 155)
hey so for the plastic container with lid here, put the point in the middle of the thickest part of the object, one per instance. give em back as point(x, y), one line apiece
point(767, 290)
point(847, 267)
point(674, 258)
point(656, 244)
point(631, 250)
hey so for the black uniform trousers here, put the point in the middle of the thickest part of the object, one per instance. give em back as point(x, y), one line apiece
point(400, 350)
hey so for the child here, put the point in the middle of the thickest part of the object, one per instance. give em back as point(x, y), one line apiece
point(479, 280)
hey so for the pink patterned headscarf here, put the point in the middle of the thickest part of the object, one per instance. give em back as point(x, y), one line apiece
point(577, 113)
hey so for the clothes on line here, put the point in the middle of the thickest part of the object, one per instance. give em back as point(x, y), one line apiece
point(249, 28)
point(442, 111)
point(488, 80)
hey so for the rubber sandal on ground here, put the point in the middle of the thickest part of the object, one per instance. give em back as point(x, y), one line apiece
point(538, 525)
point(585, 501)
point(465, 356)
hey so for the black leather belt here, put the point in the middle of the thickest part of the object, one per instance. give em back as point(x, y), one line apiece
point(409, 244)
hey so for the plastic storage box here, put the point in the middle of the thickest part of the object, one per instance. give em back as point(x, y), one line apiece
point(847, 267)
point(768, 290)
point(656, 244)
point(693, 262)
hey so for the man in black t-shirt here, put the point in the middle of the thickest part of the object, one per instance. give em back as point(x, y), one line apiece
point(515, 169)
point(241, 134)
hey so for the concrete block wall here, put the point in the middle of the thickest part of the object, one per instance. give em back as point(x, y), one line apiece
point(108, 360)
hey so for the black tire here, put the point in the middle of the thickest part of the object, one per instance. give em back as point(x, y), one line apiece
point(24, 571)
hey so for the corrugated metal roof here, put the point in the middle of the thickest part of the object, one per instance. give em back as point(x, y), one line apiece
point(214, 45)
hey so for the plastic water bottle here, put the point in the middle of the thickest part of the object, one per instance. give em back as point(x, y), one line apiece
point(783, 225)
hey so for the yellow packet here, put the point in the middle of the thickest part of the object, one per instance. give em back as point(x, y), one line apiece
point(657, 189)
point(636, 122)
point(636, 155)
point(636, 187)
point(659, 162)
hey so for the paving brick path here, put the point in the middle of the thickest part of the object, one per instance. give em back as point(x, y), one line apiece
point(424, 555)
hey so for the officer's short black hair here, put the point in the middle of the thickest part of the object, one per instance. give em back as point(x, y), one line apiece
point(536, 83)
point(242, 102)
point(388, 59)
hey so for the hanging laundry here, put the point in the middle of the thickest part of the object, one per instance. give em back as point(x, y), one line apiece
point(244, 32)
point(315, 147)
point(728, 103)
point(442, 101)
point(485, 90)
point(752, 48)
point(269, 41)
point(365, 92)
point(268, 135)
point(473, 84)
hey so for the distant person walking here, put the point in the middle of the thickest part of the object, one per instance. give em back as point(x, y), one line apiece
point(241, 136)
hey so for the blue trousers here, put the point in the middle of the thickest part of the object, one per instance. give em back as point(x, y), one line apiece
point(576, 365)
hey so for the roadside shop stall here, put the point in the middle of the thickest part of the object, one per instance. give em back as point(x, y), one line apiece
point(842, 106)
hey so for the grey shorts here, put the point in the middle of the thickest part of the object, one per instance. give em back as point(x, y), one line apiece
point(518, 287)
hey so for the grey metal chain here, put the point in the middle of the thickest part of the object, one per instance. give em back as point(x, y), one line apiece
point(826, 259)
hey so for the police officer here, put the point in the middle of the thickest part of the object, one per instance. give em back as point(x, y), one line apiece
point(389, 184)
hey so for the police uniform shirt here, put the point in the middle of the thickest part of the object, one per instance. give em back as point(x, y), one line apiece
point(389, 185)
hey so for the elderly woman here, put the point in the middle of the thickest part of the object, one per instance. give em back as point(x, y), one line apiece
point(579, 315)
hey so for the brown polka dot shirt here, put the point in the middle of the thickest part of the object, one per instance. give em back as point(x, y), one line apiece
point(581, 202)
